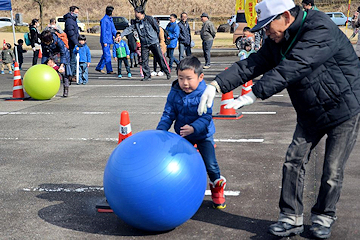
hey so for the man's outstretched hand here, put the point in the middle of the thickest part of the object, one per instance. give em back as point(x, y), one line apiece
point(243, 100)
point(207, 99)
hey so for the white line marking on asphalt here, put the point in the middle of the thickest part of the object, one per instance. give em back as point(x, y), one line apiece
point(115, 139)
point(97, 189)
point(258, 113)
point(130, 85)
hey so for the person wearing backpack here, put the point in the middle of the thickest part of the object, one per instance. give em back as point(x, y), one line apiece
point(174, 32)
point(148, 32)
point(34, 39)
point(162, 41)
point(53, 27)
point(184, 37)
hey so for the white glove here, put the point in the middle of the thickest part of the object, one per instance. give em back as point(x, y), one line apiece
point(243, 100)
point(207, 99)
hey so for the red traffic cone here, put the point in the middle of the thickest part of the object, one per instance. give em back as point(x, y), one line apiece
point(246, 88)
point(18, 92)
point(227, 114)
point(125, 126)
point(4, 44)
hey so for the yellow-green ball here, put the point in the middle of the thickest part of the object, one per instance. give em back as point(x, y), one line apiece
point(41, 82)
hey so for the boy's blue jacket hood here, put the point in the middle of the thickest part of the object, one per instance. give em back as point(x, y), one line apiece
point(182, 108)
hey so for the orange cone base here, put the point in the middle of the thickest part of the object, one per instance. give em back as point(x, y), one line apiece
point(100, 210)
point(228, 117)
point(16, 99)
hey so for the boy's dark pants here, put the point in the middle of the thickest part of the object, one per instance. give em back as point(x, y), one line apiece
point(207, 151)
point(126, 63)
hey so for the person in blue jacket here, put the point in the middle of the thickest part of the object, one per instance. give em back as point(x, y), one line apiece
point(72, 32)
point(121, 53)
point(181, 107)
point(51, 46)
point(84, 59)
point(174, 32)
point(107, 35)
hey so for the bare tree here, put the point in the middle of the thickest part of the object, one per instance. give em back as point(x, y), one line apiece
point(138, 3)
point(41, 6)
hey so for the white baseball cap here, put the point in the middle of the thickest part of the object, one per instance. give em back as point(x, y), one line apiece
point(267, 10)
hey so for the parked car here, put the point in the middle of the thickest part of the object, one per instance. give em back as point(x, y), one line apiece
point(238, 28)
point(61, 22)
point(5, 21)
point(120, 23)
point(338, 18)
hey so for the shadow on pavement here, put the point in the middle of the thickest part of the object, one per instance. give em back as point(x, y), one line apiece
point(76, 211)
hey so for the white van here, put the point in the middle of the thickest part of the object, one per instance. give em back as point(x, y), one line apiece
point(61, 22)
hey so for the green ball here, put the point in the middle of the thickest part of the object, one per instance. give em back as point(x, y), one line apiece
point(41, 82)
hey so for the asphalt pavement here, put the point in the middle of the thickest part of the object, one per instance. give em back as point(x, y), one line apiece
point(53, 154)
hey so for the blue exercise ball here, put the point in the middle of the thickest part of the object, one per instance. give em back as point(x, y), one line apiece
point(155, 180)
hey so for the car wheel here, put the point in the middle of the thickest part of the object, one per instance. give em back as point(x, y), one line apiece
point(238, 43)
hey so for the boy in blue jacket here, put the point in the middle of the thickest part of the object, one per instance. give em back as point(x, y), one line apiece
point(181, 107)
point(121, 53)
point(84, 61)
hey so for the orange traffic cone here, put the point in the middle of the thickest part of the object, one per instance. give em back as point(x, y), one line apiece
point(18, 93)
point(40, 53)
point(227, 114)
point(4, 44)
point(125, 126)
point(246, 88)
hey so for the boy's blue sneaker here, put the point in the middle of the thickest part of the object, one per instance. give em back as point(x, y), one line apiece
point(119, 76)
point(10, 72)
point(217, 192)
point(2, 72)
point(129, 75)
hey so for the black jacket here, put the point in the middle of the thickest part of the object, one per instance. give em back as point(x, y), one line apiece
point(34, 36)
point(321, 72)
point(185, 36)
point(71, 30)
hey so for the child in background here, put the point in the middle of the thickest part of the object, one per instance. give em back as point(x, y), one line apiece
point(138, 52)
point(20, 51)
point(7, 57)
point(181, 107)
point(84, 61)
point(121, 53)
point(51, 63)
point(243, 54)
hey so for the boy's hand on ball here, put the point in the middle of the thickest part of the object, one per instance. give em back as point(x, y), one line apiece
point(186, 130)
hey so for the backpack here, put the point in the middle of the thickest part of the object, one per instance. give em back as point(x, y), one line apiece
point(64, 38)
point(27, 39)
point(166, 36)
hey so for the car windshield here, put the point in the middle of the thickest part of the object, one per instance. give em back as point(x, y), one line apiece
point(240, 17)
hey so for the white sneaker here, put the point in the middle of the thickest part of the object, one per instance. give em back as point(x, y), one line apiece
point(153, 74)
point(160, 73)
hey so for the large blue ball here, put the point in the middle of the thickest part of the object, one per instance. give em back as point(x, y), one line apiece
point(155, 180)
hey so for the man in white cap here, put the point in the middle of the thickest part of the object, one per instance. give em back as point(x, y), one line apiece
point(308, 55)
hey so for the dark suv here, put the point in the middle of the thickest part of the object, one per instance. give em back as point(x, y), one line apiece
point(120, 23)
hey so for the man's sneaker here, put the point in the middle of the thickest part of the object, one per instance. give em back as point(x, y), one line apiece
point(217, 192)
point(283, 229)
point(168, 76)
point(119, 76)
point(320, 231)
point(206, 66)
point(146, 79)
point(129, 75)
point(153, 74)
point(160, 74)
point(2, 72)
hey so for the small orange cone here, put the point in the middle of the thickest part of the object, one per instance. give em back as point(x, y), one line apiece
point(18, 93)
point(125, 126)
point(40, 53)
point(4, 44)
point(228, 114)
point(246, 88)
